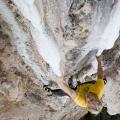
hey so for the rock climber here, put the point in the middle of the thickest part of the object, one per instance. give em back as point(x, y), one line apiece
point(87, 95)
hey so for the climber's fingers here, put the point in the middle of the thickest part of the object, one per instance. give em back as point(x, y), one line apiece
point(113, 3)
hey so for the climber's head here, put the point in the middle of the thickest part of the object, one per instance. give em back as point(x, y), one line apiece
point(94, 105)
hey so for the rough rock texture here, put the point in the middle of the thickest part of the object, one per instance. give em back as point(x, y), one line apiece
point(72, 25)
point(112, 66)
point(21, 93)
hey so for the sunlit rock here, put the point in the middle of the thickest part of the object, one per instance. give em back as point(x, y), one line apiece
point(38, 37)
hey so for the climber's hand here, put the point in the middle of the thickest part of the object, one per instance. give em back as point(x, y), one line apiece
point(113, 2)
point(99, 58)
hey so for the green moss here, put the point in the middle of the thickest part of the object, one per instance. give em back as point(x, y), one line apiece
point(102, 116)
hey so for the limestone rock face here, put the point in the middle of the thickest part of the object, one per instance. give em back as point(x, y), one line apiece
point(62, 36)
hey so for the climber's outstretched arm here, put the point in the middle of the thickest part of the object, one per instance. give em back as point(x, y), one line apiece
point(100, 71)
point(66, 88)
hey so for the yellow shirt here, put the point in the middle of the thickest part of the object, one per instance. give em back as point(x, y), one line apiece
point(97, 88)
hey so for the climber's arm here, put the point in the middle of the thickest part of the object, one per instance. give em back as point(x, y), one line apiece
point(66, 88)
point(61, 84)
point(100, 71)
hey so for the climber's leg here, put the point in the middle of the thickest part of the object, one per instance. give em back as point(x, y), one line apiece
point(58, 92)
